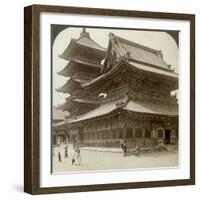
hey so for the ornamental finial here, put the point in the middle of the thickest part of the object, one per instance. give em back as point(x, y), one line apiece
point(84, 33)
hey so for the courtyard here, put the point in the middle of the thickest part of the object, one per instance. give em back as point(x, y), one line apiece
point(99, 159)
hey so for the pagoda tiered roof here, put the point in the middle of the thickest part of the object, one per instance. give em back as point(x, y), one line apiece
point(74, 102)
point(85, 43)
point(84, 56)
point(69, 86)
point(74, 82)
point(73, 66)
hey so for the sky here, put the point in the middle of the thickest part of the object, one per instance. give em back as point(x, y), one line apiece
point(154, 39)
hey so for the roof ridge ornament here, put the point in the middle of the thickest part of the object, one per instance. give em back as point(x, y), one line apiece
point(84, 33)
point(121, 104)
point(127, 55)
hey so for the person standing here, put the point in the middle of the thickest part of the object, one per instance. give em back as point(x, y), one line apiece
point(74, 157)
point(137, 150)
point(123, 146)
point(59, 157)
point(66, 151)
point(78, 157)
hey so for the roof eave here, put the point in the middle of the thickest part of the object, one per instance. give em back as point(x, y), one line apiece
point(74, 45)
point(66, 52)
point(116, 68)
point(90, 83)
point(175, 75)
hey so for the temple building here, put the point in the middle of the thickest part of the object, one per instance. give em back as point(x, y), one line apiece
point(59, 133)
point(124, 98)
point(84, 56)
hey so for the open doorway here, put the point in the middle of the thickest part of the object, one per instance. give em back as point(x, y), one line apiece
point(167, 137)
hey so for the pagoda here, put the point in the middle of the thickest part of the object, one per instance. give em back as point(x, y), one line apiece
point(137, 107)
point(84, 58)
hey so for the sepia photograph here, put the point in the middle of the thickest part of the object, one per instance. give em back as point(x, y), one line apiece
point(114, 99)
point(109, 99)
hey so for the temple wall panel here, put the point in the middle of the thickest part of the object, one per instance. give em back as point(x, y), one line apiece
point(134, 129)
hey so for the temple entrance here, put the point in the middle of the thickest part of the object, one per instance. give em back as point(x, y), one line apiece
point(167, 137)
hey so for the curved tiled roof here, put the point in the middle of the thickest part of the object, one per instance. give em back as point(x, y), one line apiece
point(89, 42)
point(131, 105)
point(152, 108)
point(134, 66)
point(136, 57)
point(153, 69)
point(69, 86)
point(138, 52)
point(75, 65)
point(101, 110)
point(84, 42)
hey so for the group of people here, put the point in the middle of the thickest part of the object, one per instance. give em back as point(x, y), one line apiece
point(137, 149)
point(76, 158)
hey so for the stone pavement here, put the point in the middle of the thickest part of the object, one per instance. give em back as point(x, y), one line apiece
point(101, 160)
point(102, 149)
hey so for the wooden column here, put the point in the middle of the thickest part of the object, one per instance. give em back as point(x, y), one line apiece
point(173, 138)
point(134, 140)
point(117, 127)
point(124, 127)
